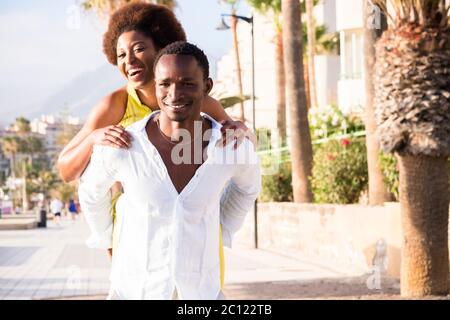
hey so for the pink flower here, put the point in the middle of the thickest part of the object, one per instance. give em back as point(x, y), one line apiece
point(345, 142)
point(330, 157)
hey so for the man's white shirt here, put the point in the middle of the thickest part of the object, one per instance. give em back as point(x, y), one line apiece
point(167, 239)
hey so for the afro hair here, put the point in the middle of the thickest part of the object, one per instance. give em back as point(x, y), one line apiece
point(154, 21)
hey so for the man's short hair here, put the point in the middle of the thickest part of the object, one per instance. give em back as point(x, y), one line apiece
point(186, 49)
point(154, 21)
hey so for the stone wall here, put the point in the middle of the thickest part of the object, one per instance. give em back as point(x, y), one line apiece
point(344, 237)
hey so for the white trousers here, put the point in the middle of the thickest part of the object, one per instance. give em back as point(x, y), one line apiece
point(112, 295)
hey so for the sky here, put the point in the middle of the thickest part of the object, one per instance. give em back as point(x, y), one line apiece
point(46, 43)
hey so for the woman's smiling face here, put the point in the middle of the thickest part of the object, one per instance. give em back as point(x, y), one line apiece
point(135, 56)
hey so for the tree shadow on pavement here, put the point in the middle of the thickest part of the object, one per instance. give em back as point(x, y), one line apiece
point(325, 288)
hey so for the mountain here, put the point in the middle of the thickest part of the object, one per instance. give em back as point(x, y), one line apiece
point(81, 94)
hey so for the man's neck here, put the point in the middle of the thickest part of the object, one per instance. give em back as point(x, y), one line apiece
point(189, 152)
point(174, 129)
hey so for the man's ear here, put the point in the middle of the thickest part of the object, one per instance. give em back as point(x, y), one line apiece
point(208, 85)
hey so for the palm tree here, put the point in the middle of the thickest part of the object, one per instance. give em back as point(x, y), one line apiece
point(171, 4)
point(378, 193)
point(323, 43)
point(22, 126)
point(233, 25)
point(104, 8)
point(274, 7)
point(295, 96)
point(33, 145)
point(228, 102)
point(10, 147)
point(29, 147)
point(25, 146)
point(44, 181)
point(311, 51)
point(412, 88)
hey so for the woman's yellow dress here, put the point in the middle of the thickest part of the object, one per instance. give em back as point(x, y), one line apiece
point(136, 111)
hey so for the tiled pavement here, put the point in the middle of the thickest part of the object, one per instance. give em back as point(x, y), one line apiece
point(54, 263)
point(51, 262)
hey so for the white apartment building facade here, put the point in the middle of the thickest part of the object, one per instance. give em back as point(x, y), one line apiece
point(340, 78)
point(350, 25)
point(327, 68)
point(51, 128)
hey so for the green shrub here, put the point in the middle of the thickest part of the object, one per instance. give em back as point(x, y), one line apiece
point(389, 167)
point(339, 172)
point(276, 169)
point(277, 187)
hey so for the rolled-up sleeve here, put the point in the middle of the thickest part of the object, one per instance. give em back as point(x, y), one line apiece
point(240, 193)
point(95, 197)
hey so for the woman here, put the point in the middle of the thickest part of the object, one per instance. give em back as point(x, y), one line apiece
point(135, 34)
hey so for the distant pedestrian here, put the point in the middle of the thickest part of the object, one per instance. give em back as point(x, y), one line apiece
point(56, 207)
point(73, 209)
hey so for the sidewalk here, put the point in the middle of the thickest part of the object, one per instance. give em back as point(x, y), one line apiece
point(51, 262)
point(54, 263)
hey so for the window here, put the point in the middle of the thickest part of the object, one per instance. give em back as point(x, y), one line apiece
point(351, 54)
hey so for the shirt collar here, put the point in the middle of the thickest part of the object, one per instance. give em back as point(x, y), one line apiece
point(215, 126)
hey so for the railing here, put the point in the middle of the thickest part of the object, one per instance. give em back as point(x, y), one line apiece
point(284, 152)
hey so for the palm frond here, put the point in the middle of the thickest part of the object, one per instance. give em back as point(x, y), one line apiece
point(431, 13)
point(228, 102)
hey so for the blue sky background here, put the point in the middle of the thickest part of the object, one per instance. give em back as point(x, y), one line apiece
point(41, 52)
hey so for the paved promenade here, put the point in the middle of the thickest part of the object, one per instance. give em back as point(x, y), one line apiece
point(54, 263)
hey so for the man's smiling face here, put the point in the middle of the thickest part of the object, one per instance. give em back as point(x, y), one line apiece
point(180, 87)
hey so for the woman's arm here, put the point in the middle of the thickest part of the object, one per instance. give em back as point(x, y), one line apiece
point(232, 130)
point(100, 128)
point(213, 108)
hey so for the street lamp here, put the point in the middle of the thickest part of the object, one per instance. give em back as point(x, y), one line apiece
point(223, 26)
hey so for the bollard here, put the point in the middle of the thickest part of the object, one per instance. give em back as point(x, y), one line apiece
point(43, 219)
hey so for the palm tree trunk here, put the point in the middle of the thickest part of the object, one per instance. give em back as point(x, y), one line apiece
point(24, 189)
point(377, 190)
point(238, 64)
point(424, 200)
point(13, 165)
point(13, 176)
point(311, 48)
point(281, 88)
point(306, 79)
point(301, 152)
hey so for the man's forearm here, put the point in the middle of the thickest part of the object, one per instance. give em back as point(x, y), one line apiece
point(241, 192)
point(96, 208)
point(234, 207)
point(95, 199)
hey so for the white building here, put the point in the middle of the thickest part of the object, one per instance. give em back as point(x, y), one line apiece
point(339, 79)
point(350, 25)
point(327, 67)
point(51, 128)
point(226, 83)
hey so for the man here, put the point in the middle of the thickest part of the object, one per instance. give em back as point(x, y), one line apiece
point(179, 187)
point(56, 207)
